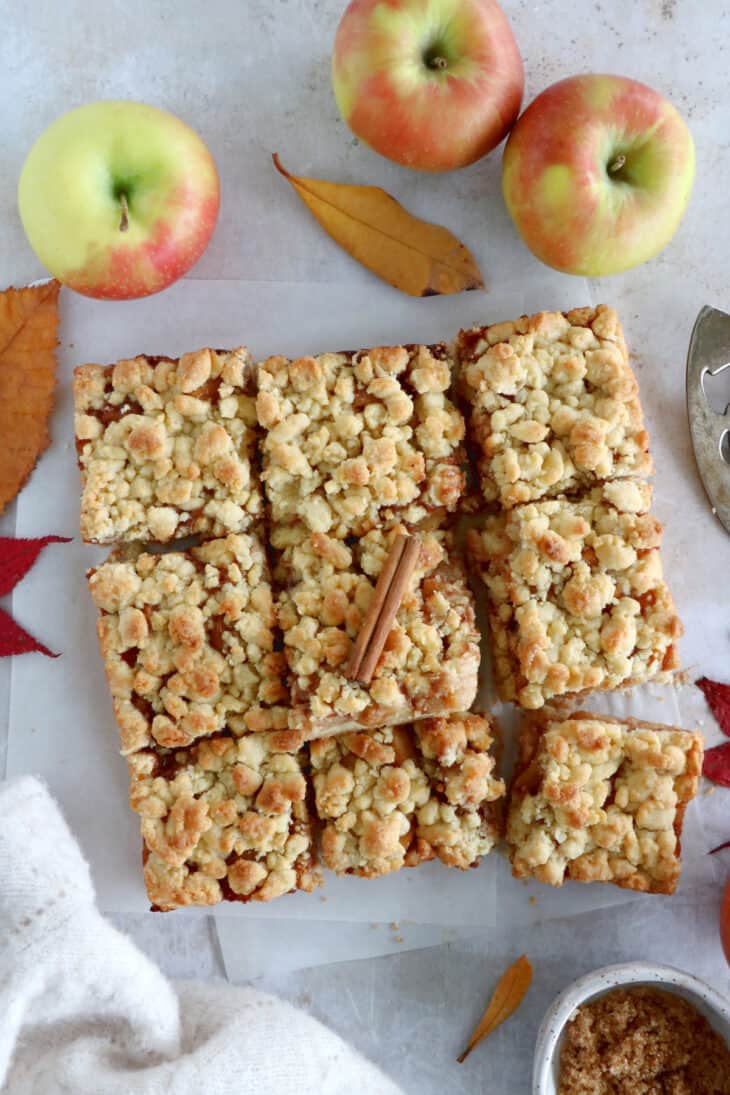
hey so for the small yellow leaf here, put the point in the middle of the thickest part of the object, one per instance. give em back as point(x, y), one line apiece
point(506, 998)
point(420, 258)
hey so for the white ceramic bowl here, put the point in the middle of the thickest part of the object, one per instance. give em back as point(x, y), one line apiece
point(710, 1003)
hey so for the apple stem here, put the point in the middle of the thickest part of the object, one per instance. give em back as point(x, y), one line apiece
point(617, 164)
point(124, 222)
point(438, 62)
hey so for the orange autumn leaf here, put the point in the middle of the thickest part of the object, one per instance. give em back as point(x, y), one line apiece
point(28, 339)
point(506, 998)
point(420, 258)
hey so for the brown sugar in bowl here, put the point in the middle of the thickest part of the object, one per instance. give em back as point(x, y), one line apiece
point(706, 1000)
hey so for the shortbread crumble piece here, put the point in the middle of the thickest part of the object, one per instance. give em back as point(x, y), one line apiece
point(595, 799)
point(402, 795)
point(431, 657)
point(553, 404)
point(189, 643)
point(577, 599)
point(356, 441)
point(224, 820)
point(166, 447)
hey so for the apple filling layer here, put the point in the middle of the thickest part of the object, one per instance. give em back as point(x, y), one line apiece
point(553, 405)
point(577, 599)
point(430, 660)
point(166, 447)
point(599, 800)
point(189, 643)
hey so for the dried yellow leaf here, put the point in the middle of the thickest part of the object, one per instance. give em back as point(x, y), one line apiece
point(28, 338)
point(506, 998)
point(420, 258)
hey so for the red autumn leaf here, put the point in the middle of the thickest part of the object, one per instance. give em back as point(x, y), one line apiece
point(14, 640)
point(716, 765)
point(718, 699)
point(18, 556)
point(16, 559)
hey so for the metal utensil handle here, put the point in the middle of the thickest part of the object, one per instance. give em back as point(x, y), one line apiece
point(709, 355)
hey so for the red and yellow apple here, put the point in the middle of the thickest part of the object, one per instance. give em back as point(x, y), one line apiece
point(432, 84)
point(118, 199)
point(597, 174)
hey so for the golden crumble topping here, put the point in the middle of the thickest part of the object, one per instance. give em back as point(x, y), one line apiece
point(224, 820)
point(401, 795)
point(355, 441)
point(577, 598)
point(166, 447)
point(641, 1040)
point(431, 657)
point(188, 641)
point(554, 404)
point(599, 800)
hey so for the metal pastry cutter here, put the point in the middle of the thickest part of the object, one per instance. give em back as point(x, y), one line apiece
point(709, 355)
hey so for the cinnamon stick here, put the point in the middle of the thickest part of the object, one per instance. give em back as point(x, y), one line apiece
point(374, 608)
point(391, 604)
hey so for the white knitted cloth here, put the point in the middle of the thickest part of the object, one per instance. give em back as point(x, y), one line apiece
point(83, 1012)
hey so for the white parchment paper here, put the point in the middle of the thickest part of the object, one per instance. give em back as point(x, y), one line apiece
point(61, 725)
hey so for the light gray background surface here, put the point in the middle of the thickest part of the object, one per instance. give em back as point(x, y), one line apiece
point(253, 77)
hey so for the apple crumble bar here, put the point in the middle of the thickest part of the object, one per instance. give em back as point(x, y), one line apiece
point(402, 795)
point(166, 447)
point(356, 441)
point(431, 657)
point(553, 404)
point(224, 820)
point(577, 600)
point(188, 641)
point(595, 799)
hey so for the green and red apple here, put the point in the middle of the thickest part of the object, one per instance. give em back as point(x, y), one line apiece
point(597, 174)
point(118, 199)
point(431, 84)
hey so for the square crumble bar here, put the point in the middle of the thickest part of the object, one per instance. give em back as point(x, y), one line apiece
point(553, 405)
point(189, 643)
point(166, 448)
point(224, 820)
point(402, 795)
point(596, 799)
point(357, 441)
point(430, 661)
point(577, 598)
